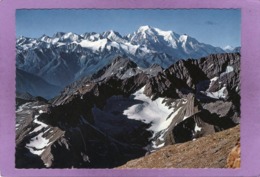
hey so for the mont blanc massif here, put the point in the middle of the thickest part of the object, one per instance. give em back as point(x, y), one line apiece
point(151, 99)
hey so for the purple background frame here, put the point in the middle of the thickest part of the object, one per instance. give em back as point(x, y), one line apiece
point(250, 75)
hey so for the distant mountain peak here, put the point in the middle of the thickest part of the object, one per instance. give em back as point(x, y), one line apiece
point(58, 34)
point(44, 37)
point(231, 49)
point(144, 28)
point(111, 34)
point(228, 47)
point(71, 36)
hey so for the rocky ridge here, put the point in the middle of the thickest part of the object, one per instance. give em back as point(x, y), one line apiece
point(105, 120)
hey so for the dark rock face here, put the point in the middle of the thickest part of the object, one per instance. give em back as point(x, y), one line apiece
point(123, 112)
point(79, 134)
point(212, 90)
point(193, 76)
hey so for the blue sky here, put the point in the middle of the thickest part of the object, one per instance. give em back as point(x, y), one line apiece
point(216, 27)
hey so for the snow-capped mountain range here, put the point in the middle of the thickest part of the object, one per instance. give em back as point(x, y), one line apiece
point(66, 57)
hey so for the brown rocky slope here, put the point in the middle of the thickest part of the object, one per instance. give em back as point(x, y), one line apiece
point(210, 151)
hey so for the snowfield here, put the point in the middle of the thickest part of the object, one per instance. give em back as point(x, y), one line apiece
point(38, 143)
point(154, 112)
point(151, 112)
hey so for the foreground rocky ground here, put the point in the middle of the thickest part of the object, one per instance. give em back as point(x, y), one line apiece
point(210, 151)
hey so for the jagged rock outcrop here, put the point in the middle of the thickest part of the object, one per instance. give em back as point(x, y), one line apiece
point(43, 141)
point(111, 117)
point(208, 74)
point(214, 92)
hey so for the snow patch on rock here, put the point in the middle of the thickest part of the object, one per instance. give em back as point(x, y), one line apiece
point(37, 144)
point(154, 112)
point(197, 128)
point(222, 93)
point(229, 69)
point(149, 111)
